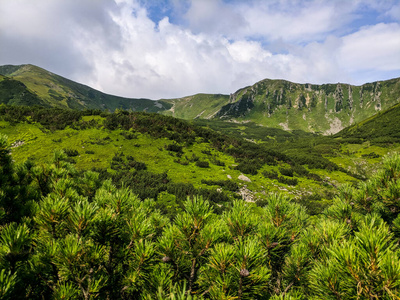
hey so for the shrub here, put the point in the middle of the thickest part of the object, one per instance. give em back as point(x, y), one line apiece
point(248, 167)
point(71, 152)
point(286, 171)
point(288, 181)
point(202, 164)
point(218, 162)
point(270, 175)
point(174, 148)
point(128, 135)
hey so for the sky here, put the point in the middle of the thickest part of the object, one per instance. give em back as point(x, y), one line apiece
point(173, 48)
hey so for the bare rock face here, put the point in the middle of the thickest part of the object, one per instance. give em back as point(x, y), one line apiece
point(244, 178)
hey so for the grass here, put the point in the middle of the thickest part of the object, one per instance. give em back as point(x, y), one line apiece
point(197, 106)
point(97, 146)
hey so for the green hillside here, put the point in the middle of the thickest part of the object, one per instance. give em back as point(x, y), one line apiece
point(14, 92)
point(56, 91)
point(326, 108)
point(200, 106)
point(182, 153)
point(132, 205)
point(383, 127)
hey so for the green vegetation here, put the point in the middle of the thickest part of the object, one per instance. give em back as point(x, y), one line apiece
point(381, 128)
point(187, 153)
point(137, 205)
point(278, 104)
point(31, 85)
point(13, 92)
point(66, 234)
point(200, 106)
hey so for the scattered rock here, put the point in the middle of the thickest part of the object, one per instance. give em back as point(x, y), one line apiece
point(17, 144)
point(246, 194)
point(244, 178)
point(229, 176)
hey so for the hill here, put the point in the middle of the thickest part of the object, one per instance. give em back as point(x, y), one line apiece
point(326, 108)
point(52, 90)
point(14, 92)
point(384, 127)
point(159, 215)
point(165, 149)
point(200, 106)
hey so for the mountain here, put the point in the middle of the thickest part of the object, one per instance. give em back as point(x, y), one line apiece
point(326, 108)
point(48, 89)
point(200, 106)
point(14, 92)
point(380, 128)
point(155, 153)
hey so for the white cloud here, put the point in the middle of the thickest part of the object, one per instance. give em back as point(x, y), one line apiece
point(117, 48)
point(245, 52)
point(374, 47)
point(292, 20)
point(394, 12)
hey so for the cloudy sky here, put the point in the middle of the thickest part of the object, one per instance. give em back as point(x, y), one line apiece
point(173, 48)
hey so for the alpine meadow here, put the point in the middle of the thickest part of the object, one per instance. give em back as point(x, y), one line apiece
point(277, 191)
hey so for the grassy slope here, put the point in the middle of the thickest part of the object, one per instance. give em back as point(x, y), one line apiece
point(14, 92)
point(325, 108)
point(202, 106)
point(281, 104)
point(40, 143)
point(57, 91)
point(383, 124)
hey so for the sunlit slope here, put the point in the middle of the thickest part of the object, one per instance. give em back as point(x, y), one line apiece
point(57, 91)
point(384, 126)
point(199, 106)
point(326, 108)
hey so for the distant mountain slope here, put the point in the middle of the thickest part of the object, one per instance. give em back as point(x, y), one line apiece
point(14, 92)
point(326, 108)
point(57, 91)
point(382, 127)
point(199, 106)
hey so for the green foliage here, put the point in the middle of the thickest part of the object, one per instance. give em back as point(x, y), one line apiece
point(85, 238)
point(129, 232)
point(226, 184)
point(30, 85)
point(7, 284)
point(381, 128)
point(202, 164)
point(14, 92)
point(71, 152)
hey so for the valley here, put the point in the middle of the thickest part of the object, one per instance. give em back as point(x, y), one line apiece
point(324, 109)
point(278, 191)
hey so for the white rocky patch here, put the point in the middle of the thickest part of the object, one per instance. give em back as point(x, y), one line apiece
point(336, 126)
point(244, 178)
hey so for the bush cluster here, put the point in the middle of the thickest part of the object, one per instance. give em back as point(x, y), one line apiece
point(75, 235)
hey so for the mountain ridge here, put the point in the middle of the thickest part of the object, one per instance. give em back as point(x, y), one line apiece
point(61, 92)
point(278, 103)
